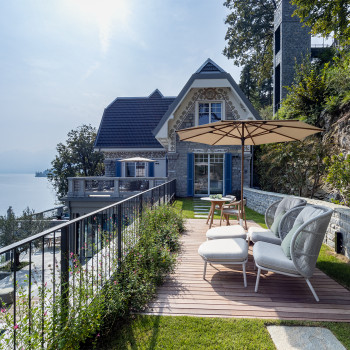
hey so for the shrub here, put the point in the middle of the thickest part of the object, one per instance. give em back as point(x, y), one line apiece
point(93, 307)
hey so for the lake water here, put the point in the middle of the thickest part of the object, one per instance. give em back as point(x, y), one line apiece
point(25, 190)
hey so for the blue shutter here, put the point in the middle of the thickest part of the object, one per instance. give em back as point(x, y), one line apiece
point(150, 169)
point(190, 174)
point(118, 168)
point(228, 173)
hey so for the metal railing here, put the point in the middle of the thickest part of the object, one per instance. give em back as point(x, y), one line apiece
point(111, 186)
point(96, 240)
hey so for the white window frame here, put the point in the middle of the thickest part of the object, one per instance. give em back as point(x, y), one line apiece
point(223, 114)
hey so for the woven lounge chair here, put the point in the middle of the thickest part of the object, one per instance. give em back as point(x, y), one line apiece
point(273, 216)
point(298, 253)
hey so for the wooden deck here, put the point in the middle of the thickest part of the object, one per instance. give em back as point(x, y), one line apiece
point(222, 293)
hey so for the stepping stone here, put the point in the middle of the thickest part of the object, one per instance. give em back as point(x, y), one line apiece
point(303, 338)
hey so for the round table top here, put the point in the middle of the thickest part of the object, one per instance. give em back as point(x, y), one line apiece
point(223, 199)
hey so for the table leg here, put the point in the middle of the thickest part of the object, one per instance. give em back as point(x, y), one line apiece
point(209, 214)
point(212, 211)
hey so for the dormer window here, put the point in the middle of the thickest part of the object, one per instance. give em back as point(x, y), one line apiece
point(209, 112)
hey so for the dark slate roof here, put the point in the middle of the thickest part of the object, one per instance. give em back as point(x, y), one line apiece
point(209, 70)
point(210, 66)
point(128, 122)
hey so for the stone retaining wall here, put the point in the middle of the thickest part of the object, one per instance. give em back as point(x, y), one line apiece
point(340, 221)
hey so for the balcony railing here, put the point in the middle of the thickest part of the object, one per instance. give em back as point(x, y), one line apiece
point(111, 186)
point(40, 267)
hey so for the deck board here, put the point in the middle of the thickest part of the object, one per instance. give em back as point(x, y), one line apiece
point(222, 294)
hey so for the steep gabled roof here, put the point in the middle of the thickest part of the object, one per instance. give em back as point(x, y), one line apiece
point(210, 66)
point(128, 122)
point(208, 70)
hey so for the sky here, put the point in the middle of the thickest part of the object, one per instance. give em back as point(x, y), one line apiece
point(63, 61)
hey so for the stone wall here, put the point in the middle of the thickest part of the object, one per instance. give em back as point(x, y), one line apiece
point(340, 221)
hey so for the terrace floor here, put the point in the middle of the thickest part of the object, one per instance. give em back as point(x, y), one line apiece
point(222, 293)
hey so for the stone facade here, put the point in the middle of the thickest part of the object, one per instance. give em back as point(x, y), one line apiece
point(185, 118)
point(111, 158)
point(340, 221)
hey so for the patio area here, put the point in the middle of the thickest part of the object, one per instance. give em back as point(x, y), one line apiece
point(222, 293)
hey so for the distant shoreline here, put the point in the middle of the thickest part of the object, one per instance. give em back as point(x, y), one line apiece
point(42, 173)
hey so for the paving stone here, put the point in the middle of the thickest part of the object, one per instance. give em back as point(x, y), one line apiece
point(304, 338)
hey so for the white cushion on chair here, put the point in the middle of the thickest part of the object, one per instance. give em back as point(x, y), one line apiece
point(264, 236)
point(271, 256)
point(224, 250)
point(233, 231)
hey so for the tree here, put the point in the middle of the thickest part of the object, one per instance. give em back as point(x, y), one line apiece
point(294, 168)
point(14, 229)
point(250, 39)
point(76, 158)
point(325, 17)
point(338, 167)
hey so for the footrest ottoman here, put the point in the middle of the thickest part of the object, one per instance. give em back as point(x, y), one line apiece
point(225, 252)
point(233, 231)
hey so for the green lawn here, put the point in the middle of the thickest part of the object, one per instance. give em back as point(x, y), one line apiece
point(334, 265)
point(186, 205)
point(180, 332)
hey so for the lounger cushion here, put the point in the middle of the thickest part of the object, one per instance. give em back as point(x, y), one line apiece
point(276, 222)
point(285, 245)
point(256, 229)
point(233, 231)
point(264, 236)
point(224, 250)
point(271, 256)
point(305, 215)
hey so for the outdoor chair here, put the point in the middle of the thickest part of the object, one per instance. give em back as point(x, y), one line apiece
point(235, 209)
point(298, 253)
point(273, 217)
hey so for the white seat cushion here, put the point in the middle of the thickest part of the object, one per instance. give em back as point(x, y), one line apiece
point(224, 250)
point(271, 256)
point(233, 231)
point(264, 236)
point(256, 229)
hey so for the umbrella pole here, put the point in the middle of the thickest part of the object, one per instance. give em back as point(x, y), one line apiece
point(242, 180)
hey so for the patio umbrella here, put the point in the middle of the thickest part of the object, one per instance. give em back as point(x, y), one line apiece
point(137, 159)
point(247, 132)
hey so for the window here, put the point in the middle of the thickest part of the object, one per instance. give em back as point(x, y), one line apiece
point(277, 40)
point(136, 169)
point(209, 112)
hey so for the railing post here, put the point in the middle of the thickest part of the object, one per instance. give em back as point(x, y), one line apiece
point(116, 187)
point(140, 205)
point(64, 273)
point(152, 197)
point(119, 221)
point(159, 195)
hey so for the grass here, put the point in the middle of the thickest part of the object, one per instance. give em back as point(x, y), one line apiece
point(186, 205)
point(183, 332)
point(334, 265)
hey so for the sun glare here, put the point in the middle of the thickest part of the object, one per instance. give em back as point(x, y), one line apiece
point(108, 15)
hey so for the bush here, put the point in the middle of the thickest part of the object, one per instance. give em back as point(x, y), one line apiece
point(93, 308)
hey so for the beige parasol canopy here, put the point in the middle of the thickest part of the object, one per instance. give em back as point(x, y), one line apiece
point(137, 159)
point(248, 132)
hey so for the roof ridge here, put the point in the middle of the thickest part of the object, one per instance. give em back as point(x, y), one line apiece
point(209, 66)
